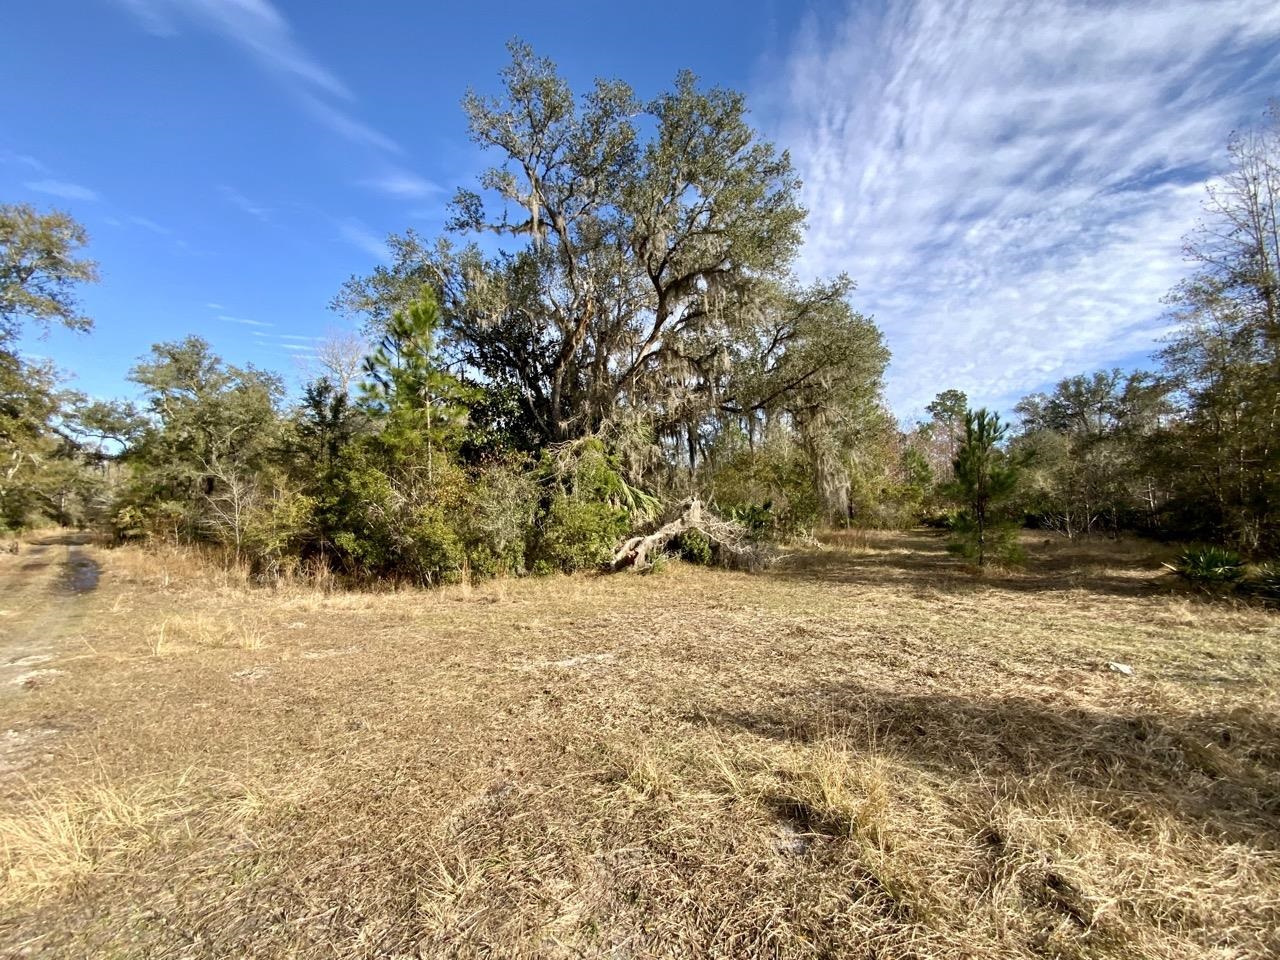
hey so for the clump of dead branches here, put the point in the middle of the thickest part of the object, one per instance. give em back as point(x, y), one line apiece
point(731, 542)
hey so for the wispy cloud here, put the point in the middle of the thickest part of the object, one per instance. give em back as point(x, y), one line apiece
point(287, 341)
point(244, 321)
point(402, 184)
point(147, 224)
point(255, 26)
point(345, 125)
point(22, 160)
point(359, 235)
point(152, 16)
point(215, 306)
point(63, 189)
point(1009, 182)
point(263, 33)
point(244, 203)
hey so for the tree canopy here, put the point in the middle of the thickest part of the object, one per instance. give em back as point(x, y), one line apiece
point(647, 267)
point(40, 270)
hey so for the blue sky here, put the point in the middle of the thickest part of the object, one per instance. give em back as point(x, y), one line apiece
point(1010, 175)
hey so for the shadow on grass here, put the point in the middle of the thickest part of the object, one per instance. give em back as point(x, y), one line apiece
point(1219, 771)
point(920, 559)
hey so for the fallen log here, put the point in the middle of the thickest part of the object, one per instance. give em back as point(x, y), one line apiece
point(729, 541)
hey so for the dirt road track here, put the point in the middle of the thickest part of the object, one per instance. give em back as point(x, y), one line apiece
point(42, 605)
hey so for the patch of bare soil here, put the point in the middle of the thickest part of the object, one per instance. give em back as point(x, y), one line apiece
point(41, 587)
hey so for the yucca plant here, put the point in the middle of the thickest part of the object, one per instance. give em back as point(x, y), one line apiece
point(1264, 580)
point(1209, 564)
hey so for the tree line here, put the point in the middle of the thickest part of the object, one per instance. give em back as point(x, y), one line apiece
point(611, 326)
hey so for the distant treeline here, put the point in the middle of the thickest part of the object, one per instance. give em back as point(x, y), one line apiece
point(640, 339)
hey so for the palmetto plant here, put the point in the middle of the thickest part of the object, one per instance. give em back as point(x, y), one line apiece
point(1208, 564)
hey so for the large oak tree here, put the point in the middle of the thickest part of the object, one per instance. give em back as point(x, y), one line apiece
point(639, 263)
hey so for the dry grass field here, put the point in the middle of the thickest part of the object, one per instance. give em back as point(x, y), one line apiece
point(868, 751)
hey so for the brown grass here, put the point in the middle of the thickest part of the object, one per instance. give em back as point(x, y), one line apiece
point(869, 751)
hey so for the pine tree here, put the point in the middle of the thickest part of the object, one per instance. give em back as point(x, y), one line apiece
point(985, 477)
point(410, 384)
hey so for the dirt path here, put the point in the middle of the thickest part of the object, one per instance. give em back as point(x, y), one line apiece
point(42, 602)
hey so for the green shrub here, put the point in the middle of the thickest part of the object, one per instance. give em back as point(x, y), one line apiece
point(758, 518)
point(769, 520)
point(500, 507)
point(276, 532)
point(1209, 564)
point(484, 561)
point(768, 489)
point(128, 523)
point(586, 471)
point(577, 534)
point(434, 548)
point(941, 519)
point(588, 507)
point(380, 528)
point(694, 547)
point(357, 516)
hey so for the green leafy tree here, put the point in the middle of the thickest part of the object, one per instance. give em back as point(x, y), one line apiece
point(40, 270)
point(892, 482)
point(654, 242)
point(985, 478)
point(940, 435)
point(816, 365)
point(767, 482)
point(40, 467)
point(1083, 446)
point(326, 427)
point(212, 430)
point(29, 405)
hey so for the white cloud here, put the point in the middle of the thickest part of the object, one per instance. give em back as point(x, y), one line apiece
point(152, 15)
point(358, 235)
point(148, 224)
point(1009, 183)
point(63, 189)
point(244, 203)
point(242, 320)
point(287, 341)
point(215, 306)
point(402, 184)
point(264, 34)
point(255, 26)
point(347, 126)
point(22, 160)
